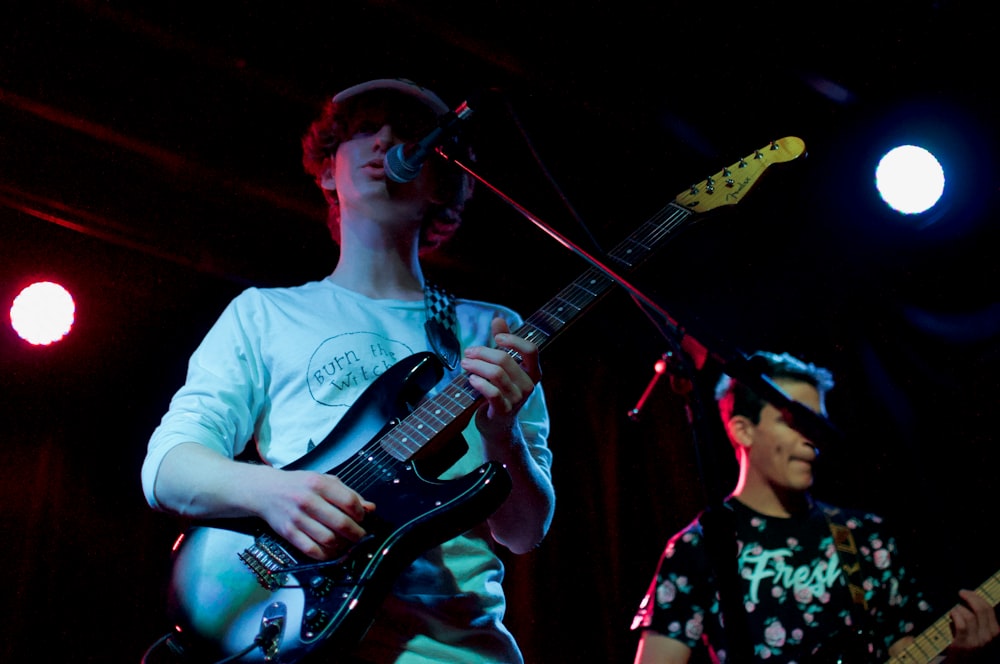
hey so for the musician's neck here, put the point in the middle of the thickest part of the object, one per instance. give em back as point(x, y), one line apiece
point(767, 501)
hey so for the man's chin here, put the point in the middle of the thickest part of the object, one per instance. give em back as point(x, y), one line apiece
point(803, 483)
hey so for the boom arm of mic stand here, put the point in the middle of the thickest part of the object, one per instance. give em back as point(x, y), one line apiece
point(670, 329)
point(735, 363)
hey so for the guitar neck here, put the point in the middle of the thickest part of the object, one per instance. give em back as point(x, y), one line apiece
point(555, 316)
point(932, 641)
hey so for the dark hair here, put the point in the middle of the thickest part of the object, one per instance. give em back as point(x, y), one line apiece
point(735, 398)
point(409, 119)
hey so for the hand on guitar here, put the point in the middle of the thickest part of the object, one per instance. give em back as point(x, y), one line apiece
point(974, 624)
point(506, 382)
point(316, 512)
point(502, 379)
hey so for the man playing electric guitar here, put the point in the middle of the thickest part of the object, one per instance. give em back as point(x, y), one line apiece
point(795, 572)
point(282, 366)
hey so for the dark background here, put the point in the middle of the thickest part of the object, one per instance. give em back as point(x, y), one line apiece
point(149, 160)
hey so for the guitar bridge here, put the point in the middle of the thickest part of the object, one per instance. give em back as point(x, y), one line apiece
point(268, 561)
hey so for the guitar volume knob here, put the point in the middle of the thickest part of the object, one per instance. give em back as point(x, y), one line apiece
point(320, 586)
point(313, 621)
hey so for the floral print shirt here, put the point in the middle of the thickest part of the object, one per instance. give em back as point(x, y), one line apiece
point(795, 597)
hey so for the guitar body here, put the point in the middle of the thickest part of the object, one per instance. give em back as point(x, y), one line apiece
point(236, 580)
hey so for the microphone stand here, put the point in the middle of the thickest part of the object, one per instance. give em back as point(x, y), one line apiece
point(734, 362)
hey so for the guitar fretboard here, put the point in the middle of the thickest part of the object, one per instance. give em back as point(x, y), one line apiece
point(932, 641)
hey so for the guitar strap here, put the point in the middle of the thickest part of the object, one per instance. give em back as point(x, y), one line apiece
point(860, 641)
point(719, 527)
point(442, 324)
point(847, 551)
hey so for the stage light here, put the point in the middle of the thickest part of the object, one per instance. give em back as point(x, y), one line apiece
point(912, 171)
point(909, 179)
point(42, 313)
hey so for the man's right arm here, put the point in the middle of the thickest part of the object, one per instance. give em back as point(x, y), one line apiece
point(315, 512)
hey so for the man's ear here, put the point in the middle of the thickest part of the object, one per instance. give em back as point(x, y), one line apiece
point(740, 430)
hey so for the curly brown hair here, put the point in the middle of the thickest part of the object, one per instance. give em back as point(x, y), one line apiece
point(409, 118)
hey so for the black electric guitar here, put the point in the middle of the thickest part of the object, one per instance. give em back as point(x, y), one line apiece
point(854, 649)
point(240, 593)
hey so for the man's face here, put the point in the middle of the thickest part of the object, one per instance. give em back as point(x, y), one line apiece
point(780, 456)
point(358, 167)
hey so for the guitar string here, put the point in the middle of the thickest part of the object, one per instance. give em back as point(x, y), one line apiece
point(363, 471)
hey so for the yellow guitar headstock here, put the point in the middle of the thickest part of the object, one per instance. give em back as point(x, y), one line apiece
point(728, 186)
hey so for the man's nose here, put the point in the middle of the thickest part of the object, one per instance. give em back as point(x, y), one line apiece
point(385, 138)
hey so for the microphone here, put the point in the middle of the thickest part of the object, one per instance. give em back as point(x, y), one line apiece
point(404, 161)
